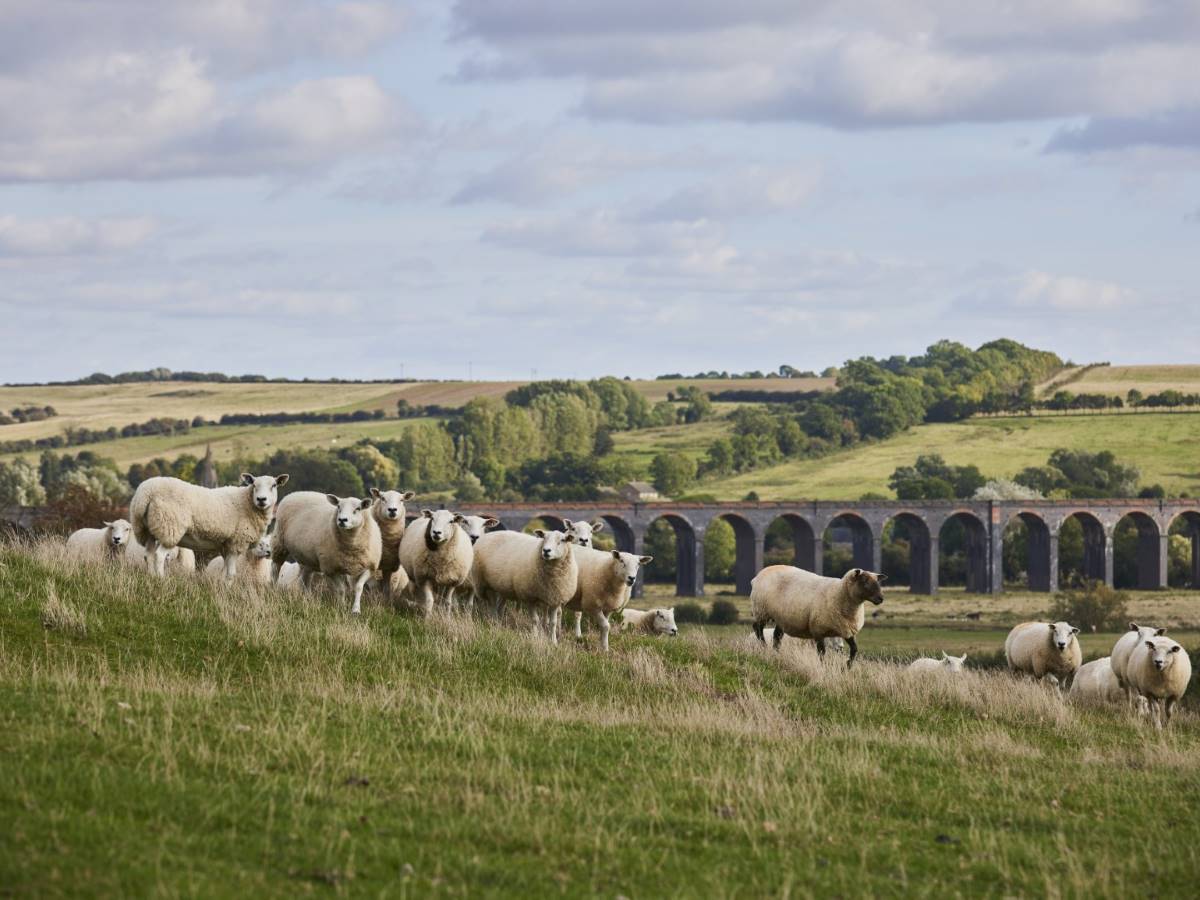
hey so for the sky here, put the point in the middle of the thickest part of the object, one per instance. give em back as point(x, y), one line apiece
point(570, 188)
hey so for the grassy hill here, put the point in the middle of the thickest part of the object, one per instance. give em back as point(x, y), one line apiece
point(188, 739)
point(1117, 380)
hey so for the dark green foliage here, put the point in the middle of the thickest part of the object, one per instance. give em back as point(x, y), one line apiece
point(689, 613)
point(931, 478)
point(722, 612)
point(1095, 607)
point(1078, 473)
point(673, 473)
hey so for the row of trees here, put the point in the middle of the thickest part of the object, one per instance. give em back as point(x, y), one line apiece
point(22, 414)
point(78, 437)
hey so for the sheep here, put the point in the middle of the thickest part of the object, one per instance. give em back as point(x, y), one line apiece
point(1160, 669)
point(832, 645)
point(1096, 682)
point(1042, 649)
point(388, 510)
point(951, 664)
point(437, 555)
point(289, 576)
point(583, 531)
point(538, 571)
point(98, 543)
point(604, 583)
point(178, 560)
point(343, 541)
point(1124, 646)
point(168, 513)
point(802, 604)
point(650, 621)
point(477, 526)
point(256, 563)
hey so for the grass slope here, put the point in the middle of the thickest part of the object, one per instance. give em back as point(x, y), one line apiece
point(179, 738)
point(1161, 445)
point(1117, 380)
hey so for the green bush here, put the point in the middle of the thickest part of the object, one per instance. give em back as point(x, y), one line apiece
point(1095, 607)
point(689, 613)
point(723, 612)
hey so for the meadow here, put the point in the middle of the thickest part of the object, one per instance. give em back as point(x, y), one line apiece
point(184, 738)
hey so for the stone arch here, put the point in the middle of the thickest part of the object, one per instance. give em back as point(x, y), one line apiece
point(805, 549)
point(1187, 523)
point(864, 548)
point(1096, 563)
point(922, 573)
point(748, 553)
point(1150, 558)
point(622, 532)
point(976, 547)
point(689, 555)
point(1041, 551)
point(550, 521)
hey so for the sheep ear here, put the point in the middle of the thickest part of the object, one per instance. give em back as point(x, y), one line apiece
point(332, 498)
point(1159, 632)
point(568, 538)
point(457, 517)
point(366, 503)
point(1175, 649)
point(539, 533)
point(408, 495)
point(945, 655)
point(1150, 644)
point(490, 522)
point(598, 525)
point(645, 560)
point(616, 554)
point(1133, 626)
point(108, 524)
point(567, 524)
point(281, 480)
point(880, 577)
point(963, 658)
point(855, 573)
point(1074, 631)
point(375, 493)
point(247, 479)
point(427, 513)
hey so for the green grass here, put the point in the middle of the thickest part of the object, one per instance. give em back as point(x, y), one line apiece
point(180, 739)
point(1161, 445)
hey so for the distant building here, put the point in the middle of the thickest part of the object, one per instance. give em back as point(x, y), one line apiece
point(206, 472)
point(639, 492)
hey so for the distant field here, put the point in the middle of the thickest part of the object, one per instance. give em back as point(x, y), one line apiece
point(1117, 380)
point(1162, 445)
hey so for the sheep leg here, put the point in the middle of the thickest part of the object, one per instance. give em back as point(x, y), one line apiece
point(160, 560)
point(276, 565)
point(427, 594)
point(758, 632)
point(601, 621)
point(230, 566)
point(553, 619)
point(579, 625)
point(853, 645)
point(536, 613)
point(776, 637)
point(1168, 709)
point(820, 642)
point(358, 586)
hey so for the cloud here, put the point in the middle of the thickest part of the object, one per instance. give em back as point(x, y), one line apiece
point(752, 191)
point(1175, 129)
point(605, 233)
point(70, 236)
point(1068, 293)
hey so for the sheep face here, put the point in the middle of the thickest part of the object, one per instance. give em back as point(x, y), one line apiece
point(583, 531)
point(261, 549)
point(1163, 653)
point(441, 524)
point(350, 511)
point(864, 586)
point(953, 663)
point(264, 489)
point(119, 531)
point(555, 544)
point(1061, 635)
point(391, 503)
point(627, 565)
point(664, 622)
point(475, 526)
point(1147, 631)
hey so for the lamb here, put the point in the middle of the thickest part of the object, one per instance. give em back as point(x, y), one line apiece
point(1096, 682)
point(437, 555)
point(583, 531)
point(604, 583)
point(343, 541)
point(256, 563)
point(1159, 669)
point(388, 510)
point(650, 621)
point(1044, 650)
point(1125, 646)
point(802, 604)
point(99, 543)
point(538, 571)
point(168, 513)
point(178, 560)
point(951, 664)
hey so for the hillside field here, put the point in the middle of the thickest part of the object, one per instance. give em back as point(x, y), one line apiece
point(1118, 380)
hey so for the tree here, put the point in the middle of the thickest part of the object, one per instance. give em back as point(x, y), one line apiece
point(673, 473)
point(375, 469)
point(19, 485)
point(720, 551)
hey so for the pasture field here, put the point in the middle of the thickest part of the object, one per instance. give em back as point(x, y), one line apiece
point(1117, 380)
point(1161, 445)
point(181, 737)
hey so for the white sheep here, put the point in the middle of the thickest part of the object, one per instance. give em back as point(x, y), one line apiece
point(168, 513)
point(100, 543)
point(537, 571)
point(802, 604)
point(388, 510)
point(583, 531)
point(1096, 682)
point(255, 566)
point(604, 582)
point(1125, 646)
point(1044, 650)
point(649, 621)
point(1160, 669)
point(437, 555)
point(178, 560)
point(328, 534)
point(477, 526)
point(951, 664)
point(289, 577)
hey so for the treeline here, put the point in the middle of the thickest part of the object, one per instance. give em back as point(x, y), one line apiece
point(22, 414)
point(164, 374)
point(296, 418)
point(784, 371)
point(76, 437)
point(1066, 401)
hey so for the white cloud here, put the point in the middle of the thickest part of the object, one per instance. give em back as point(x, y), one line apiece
point(1069, 293)
point(71, 236)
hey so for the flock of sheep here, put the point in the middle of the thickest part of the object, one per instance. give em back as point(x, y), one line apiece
point(443, 557)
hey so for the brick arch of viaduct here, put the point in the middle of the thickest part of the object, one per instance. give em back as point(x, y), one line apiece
point(984, 521)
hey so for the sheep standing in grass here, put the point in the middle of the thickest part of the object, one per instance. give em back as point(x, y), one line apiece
point(100, 543)
point(437, 555)
point(168, 513)
point(1044, 650)
point(649, 621)
point(477, 526)
point(1160, 669)
point(1123, 649)
point(948, 663)
point(388, 510)
point(328, 534)
point(604, 583)
point(802, 604)
point(255, 566)
point(178, 560)
point(538, 571)
point(583, 531)
point(1096, 682)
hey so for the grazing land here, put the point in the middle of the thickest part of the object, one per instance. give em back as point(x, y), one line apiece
point(169, 738)
point(1118, 380)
